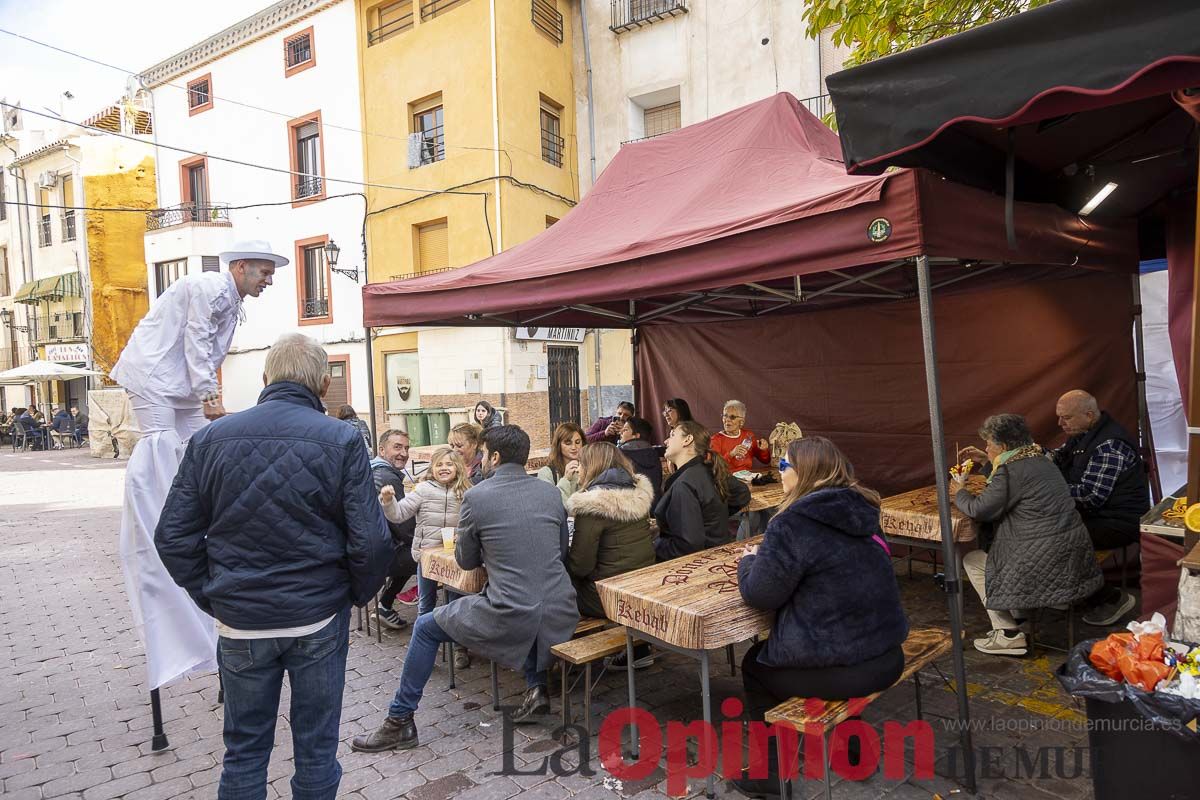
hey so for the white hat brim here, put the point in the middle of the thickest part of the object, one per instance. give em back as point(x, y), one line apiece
point(237, 255)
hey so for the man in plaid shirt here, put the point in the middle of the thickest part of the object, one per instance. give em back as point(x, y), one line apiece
point(1105, 475)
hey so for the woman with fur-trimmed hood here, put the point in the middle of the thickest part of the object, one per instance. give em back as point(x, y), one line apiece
point(612, 523)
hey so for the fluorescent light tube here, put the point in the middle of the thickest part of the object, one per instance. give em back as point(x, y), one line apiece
point(1098, 198)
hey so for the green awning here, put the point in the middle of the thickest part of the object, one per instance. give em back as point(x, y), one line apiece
point(56, 287)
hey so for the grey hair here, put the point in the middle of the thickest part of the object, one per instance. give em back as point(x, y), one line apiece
point(296, 358)
point(736, 405)
point(1010, 431)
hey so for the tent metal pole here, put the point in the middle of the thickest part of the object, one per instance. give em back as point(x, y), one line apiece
point(1190, 539)
point(371, 390)
point(941, 471)
point(637, 383)
point(1139, 364)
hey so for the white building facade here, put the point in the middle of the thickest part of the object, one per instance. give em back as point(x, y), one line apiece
point(279, 90)
point(657, 65)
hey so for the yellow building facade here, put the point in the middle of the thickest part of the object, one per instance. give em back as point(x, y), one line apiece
point(469, 114)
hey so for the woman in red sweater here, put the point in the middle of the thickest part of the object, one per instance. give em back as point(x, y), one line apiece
point(736, 444)
point(739, 447)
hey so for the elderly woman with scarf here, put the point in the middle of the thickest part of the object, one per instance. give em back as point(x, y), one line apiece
point(1040, 555)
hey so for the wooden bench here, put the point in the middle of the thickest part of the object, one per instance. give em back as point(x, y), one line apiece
point(922, 647)
point(585, 651)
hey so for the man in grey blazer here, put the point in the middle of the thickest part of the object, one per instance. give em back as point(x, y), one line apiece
point(514, 526)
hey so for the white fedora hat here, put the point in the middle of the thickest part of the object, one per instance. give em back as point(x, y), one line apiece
point(253, 248)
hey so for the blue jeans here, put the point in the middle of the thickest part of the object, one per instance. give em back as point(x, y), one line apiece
point(427, 636)
point(426, 593)
point(252, 674)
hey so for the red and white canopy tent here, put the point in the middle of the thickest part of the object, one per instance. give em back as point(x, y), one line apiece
point(716, 244)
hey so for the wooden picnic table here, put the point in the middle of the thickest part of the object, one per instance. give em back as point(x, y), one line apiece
point(691, 602)
point(765, 497)
point(689, 605)
point(914, 516)
point(439, 564)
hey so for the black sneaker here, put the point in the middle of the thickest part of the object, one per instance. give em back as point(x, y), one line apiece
point(1109, 613)
point(643, 657)
point(390, 618)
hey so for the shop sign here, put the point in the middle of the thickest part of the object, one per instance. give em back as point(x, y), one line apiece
point(67, 353)
point(551, 334)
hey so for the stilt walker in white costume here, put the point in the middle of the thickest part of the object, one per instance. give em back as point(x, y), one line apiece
point(169, 367)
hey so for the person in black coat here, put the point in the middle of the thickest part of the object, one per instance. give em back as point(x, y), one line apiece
point(825, 570)
point(387, 469)
point(272, 527)
point(647, 459)
point(697, 498)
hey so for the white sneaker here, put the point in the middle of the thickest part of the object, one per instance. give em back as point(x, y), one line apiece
point(997, 643)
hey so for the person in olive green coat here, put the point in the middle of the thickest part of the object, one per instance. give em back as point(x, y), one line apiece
point(612, 523)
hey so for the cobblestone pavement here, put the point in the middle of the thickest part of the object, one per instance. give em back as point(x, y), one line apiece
point(75, 718)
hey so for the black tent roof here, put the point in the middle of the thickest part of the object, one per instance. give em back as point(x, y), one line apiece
point(1078, 89)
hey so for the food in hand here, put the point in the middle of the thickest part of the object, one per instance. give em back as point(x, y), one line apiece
point(961, 471)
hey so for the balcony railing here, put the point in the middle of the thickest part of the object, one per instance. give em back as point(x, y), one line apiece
point(64, 326)
point(44, 231)
point(389, 29)
point(308, 186)
point(316, 308)
point(68, 225)
point(821, 106)
point(187, 214)
point(552, 148)
point(433, 145)
point(548, 19)
point(431, 8)
point(630, 14)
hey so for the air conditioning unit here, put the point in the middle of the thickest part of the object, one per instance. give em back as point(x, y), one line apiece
point(47, 179)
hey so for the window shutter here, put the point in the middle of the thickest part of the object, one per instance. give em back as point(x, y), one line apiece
point(210, 263)
point(661, 119)
point(433, 249)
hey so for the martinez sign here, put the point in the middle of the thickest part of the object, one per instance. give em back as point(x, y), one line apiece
point(67, 353)
point(551, 334)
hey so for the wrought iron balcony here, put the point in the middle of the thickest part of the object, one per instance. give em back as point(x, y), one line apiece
point(821, 106)
point(64, 326)
point(433, 144)
point(308, 186)
point(316, 308)
point(68, 225)
point(630, 14)
point(390, 28)
point(431, 8)
point(552, 148)
point(548, 19)
point(187, 214)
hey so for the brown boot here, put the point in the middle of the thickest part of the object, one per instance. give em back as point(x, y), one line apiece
point(396, 733)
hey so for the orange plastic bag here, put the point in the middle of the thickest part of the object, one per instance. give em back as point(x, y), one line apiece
point(1106, 654)
point(1143, 664)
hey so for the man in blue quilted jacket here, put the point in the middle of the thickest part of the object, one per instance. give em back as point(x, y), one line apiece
point(272, 526)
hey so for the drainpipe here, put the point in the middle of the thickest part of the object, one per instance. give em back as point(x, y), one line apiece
point(587, 60)
point(85, 274)
point(506, 340)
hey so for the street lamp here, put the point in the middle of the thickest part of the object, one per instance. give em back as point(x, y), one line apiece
point(6, 318)
point(332, 251)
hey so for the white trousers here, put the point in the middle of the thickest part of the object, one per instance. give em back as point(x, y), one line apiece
point(975, 565)
point(179, 637)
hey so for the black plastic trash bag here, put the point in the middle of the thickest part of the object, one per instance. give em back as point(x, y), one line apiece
point(1167, 712)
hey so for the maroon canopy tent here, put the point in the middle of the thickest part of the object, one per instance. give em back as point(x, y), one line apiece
point(749, 221)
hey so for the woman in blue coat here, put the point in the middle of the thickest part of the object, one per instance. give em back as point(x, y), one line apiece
point(825, 570)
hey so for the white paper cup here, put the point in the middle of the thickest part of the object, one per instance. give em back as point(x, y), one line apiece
point(448, 539)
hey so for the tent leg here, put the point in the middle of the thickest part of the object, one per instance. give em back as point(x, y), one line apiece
point(371, 389)
point(953, 583)
point(1139, 364)
point(159, 742)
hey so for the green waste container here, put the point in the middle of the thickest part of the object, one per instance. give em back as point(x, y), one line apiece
point(417, 423)
point(439, 425)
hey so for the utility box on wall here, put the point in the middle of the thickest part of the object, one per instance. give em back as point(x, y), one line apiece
point(474, 381)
